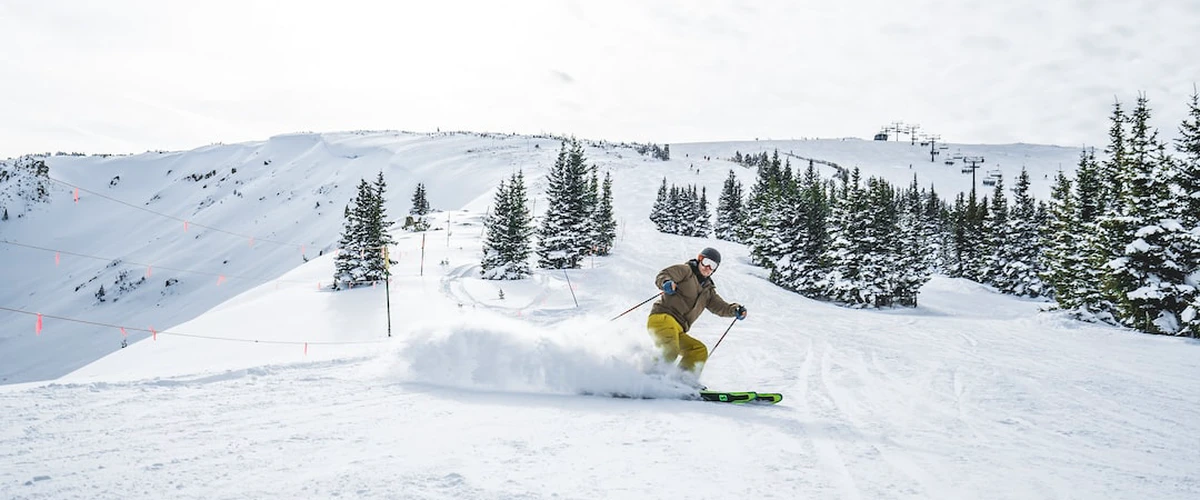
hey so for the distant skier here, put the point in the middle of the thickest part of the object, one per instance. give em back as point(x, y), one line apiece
point(688, 289)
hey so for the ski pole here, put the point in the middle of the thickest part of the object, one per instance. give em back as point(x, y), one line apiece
point(655, 296)
point(714, 349)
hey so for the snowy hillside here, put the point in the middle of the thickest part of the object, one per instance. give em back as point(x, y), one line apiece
point(266, 386)
point(170, 235)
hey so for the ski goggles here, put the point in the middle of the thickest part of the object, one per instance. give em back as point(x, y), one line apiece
point(707, 263)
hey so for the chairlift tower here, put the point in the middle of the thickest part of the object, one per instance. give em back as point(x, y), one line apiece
point(972, 162)
point(912, 134)
point(933, 152)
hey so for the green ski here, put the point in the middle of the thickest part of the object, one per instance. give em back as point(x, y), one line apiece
point(741, 397)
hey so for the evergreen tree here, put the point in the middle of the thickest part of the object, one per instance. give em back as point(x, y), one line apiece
point(658, 213)
point(1147, 271)
point(913, 265)
point(1108, 240)
point(419, 209)
point(364, 236)
point(350, 264)
point(1186, 179)
point(378, 238)
point(730, 216)
point(995, 237)
point(1063, 258)
point(1022, 260)
point(606, 232)
point(507, 246)
point(764, 210)
point(937, 231)
point(807, 234)
point(881, 248)
point(848, 233)
point(1088, 298)
point(591, 202)
point(704, 216)
point(1187, 175)
point(563, 237)
point(970, 247)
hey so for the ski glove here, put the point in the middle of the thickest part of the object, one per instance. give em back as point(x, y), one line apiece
point(669, 287)
point(740, 312)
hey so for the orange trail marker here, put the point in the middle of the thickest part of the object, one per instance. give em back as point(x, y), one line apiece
point(154, 333)
point(306, 348)
point(149, 271)
point(38, 329)
point(220, 279)
point(56, 258)
point(76, 195)
point(123, 334)
point(185, 225)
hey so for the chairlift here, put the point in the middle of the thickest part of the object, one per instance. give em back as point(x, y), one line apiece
point(950, 161)
point(943, 146)
point(989, 181)
point(995, 173)
point(967, 169)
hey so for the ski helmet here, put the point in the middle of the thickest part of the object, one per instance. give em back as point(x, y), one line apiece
point(710, 254)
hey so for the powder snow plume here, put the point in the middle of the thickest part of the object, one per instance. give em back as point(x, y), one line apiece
point(508, 355)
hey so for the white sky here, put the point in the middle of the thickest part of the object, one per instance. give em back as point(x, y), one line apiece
point(127, 76)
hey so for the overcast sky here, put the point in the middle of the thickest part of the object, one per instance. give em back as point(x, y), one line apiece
point(134, 75)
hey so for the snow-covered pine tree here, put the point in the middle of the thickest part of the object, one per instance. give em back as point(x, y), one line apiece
point(957, 238)
point(1020, 272)
point(969, 246)
point(563, 240)
point(1146, 271)
point(808, 236)
point(1088, 299)
point(763, 200)
point(350, 264)
point(704, 216)
point(996, 250)
point(1186, 179)
point(495, 259)
point(1107, 241)
point(936, 228)
point(675, 210)
point(1187, 175)
point(606, 232)
point(591, 201)
point(685, 211)
point(658, 212)
point(849, 230)
point(730, 216)
point(509, 226)
point(913, 265)
point(419, 209)
point(881, 263)
point(1062, 260)
point(377, 236)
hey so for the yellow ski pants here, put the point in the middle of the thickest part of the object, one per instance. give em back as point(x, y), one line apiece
point(670, 338)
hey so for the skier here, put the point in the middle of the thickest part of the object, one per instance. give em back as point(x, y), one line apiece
point(687, 289)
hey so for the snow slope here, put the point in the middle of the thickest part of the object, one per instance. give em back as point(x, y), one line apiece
point(970, 395)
